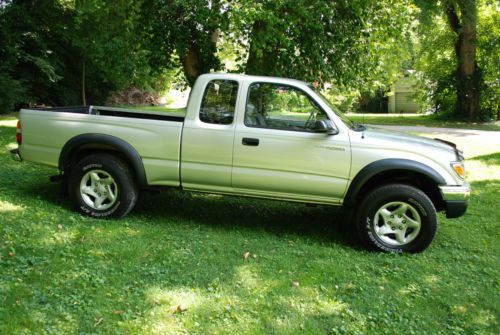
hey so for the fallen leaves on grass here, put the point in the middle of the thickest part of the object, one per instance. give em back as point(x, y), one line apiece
point(180, 309)
point(98, 321)
point(247, 255)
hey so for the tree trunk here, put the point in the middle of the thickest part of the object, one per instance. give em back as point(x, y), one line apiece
point(194, 62)
point(468, 75)
point(191, 64)
point(259, 61)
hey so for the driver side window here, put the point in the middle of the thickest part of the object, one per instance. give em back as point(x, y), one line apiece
point(282, 107)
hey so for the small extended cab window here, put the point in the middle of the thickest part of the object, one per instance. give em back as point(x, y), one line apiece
point(282, 107)
point(219, 101)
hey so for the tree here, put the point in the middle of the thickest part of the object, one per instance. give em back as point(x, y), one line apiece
point(325, 41)
point(347, 43)
point(59, 52)
point(112, 56)
point(462, 18)
point(186, 29)
point(459, 67)
point(488, 44)
point(33, 52)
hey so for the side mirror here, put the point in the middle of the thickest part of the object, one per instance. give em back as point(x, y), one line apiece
point(325, 126)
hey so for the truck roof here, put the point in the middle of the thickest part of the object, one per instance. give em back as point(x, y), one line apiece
point(246, 77)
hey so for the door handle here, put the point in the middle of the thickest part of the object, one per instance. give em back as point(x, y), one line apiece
point(253, 142)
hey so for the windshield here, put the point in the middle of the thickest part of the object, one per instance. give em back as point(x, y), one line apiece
point(334, 109)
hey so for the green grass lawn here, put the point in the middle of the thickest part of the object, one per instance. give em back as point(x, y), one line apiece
point(175, 265)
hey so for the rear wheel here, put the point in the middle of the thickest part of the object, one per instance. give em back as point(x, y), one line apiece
point(396, 218)
point(102, 185)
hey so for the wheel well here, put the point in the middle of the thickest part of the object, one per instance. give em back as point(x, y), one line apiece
point(86, 150)
point(85, 144)
point(416, 179)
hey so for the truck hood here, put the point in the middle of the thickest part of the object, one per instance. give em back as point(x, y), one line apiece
point(407, 142)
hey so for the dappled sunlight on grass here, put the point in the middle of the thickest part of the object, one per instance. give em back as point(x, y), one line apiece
point(431, 279)
point(10, 146)
point(409, 289)
point(319, 304)
point(185, 310)
point(6, 207)
point(493, 159)
point(248, 279)
point(61, 237)
point(185, 297)
point(484, 318)
point(10, 122)
point(165, 315)
point(484, 167)
point(175, 266)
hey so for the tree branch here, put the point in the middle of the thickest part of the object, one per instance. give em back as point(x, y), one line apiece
point(452, 15)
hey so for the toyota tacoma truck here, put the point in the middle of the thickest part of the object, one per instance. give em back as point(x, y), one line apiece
point(254, 136)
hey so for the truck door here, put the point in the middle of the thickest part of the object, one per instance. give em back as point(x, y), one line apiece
point(277, 152)
point(207, 139)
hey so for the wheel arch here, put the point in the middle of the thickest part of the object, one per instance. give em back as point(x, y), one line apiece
point(396, 171)
point(84, 144)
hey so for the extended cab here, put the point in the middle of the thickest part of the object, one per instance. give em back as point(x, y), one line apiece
point(253, 136)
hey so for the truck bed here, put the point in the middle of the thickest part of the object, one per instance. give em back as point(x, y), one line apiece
point(156, 136)
point(114, 111)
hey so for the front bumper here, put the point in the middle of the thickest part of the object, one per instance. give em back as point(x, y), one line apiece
point(456, 199)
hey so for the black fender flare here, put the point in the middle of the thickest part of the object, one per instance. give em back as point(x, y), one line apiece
point(383, 165)
point(116, 143)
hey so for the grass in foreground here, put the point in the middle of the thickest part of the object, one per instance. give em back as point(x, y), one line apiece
point(176, 266)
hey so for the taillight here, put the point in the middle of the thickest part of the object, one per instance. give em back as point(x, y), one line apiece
point(19, 135)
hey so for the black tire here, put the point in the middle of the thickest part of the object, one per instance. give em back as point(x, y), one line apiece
point(396, 227)
point(122, 187)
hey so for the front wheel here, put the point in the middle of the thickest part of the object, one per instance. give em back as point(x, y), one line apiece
point(102, 185)
point(396, 218)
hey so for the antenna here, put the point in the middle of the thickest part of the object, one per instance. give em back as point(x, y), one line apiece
point(364, 127)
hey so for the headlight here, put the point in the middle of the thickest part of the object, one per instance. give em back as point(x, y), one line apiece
point(459, 168)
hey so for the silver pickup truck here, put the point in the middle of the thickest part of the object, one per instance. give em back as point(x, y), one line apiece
point(253, 136)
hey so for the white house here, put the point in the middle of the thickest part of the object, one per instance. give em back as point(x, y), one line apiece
point(401, 98)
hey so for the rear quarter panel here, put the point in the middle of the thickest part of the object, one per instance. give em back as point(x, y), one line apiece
point(157, 142)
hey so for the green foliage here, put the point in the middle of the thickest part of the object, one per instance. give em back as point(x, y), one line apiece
point(349, 44)
point(31, 36)
point(488, 58)
point(359, 44)
point(437, 62)
point(186, 29)
point(108, 35)
point(56, 51)
point(62, 273)
point(45, 44)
